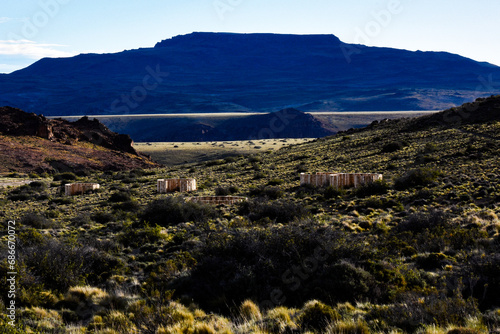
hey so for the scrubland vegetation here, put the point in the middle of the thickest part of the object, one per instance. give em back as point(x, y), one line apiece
point(416, 253)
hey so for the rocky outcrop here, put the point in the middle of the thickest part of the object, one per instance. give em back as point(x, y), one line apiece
point(33, 143)
point(15, 122)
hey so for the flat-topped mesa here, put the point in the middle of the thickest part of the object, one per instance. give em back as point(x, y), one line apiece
point(217, 200)
point(339, 180)
point(164, 186)
point(72, 189)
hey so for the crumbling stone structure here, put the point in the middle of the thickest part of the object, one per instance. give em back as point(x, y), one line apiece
point(73, 189)
point(171, 185)
point(339, 180)
point(228, 200)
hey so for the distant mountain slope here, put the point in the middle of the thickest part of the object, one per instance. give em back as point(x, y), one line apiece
point(214, 72)
point(30, 142)
point(287, 123)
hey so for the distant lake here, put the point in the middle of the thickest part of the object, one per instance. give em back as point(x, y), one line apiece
point(408, 113)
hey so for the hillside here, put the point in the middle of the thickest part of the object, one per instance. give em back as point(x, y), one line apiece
point(216, 72)
point(31, 142)
point(286, 123)
point(416, 253)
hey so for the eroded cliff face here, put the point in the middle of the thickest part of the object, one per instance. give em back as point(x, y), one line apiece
point(15, 122)
point(30, 142)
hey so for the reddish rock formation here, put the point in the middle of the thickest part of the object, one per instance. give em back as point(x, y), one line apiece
point(30, 142)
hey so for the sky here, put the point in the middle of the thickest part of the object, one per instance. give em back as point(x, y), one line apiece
point(34, 29)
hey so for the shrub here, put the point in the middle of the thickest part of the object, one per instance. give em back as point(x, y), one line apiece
point(20, 197)
point(119, 196)
point(32, 191)
point(62, 200)
point(278, 320)
point(128, 206)
point(462, 330)
point(420, 221)
point(31, 236)
point(333, 192)
point(249, 311)
point(349, 283)
point(316, 316)
point(351, 326)
point(416, 178)
point(136, 237)
point(119, 322)
point(281, 211)
point(81, 219)
point(67, 176)
point(392, 147)
point(37, 221)
point(267, 192)
point(173, 211)
point(58, 265)
point(378, 187)
point(103, 217)
point(37, 185)
point(226, 191)
point(275, 182)
point(433, 261)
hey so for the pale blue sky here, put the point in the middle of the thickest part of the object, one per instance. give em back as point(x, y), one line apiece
point(32, 29)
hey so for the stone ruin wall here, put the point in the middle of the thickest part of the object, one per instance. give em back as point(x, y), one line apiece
point(171, 185)
point(339, 180)
point(79, 188)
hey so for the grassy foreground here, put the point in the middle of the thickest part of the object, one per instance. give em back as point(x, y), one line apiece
point(417, 253)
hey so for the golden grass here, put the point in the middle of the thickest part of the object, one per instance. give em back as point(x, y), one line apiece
point(173, 153)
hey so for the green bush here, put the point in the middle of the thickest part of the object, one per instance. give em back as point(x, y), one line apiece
point(378, 187)
point(275, 182)
point(280, 211)
point(37, 185)
point(119, 196)
point(348, 283)
point(173, 211)
point(62, 200)
point(433, 261)
point(266, 192)
point(129, 206)
point(226, 191)
point(135, 237)
point(333, 192)
point(67, 176)
point(57, 265)
point(32, 191)
point(103, 217)
point(392, 147)
point(416, 178)
point(421, 221)
point(37, 221)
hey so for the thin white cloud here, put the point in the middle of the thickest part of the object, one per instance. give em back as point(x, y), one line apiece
point(31, 49)
point(9, 68)
point(5, 19)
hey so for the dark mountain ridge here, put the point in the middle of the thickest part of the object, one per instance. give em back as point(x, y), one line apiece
point(221, 72)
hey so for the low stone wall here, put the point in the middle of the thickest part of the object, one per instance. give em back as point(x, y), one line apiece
point(218, 199)
point(339, 180)
point(73, 189)
point(318, 179)
point(352, 180)
point(171, 185)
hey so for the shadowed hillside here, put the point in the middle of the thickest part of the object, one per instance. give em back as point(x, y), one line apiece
point(418, 252)
point(217, 72)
